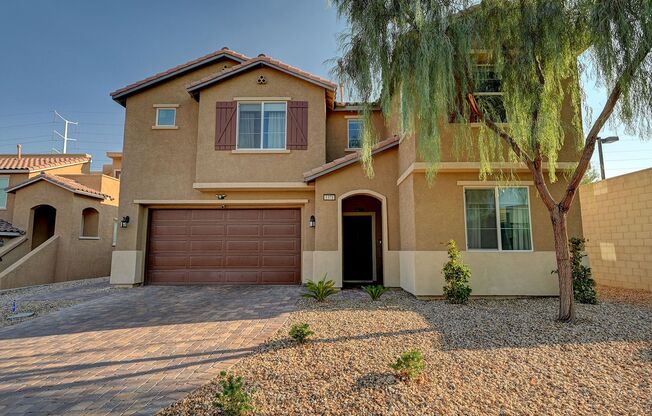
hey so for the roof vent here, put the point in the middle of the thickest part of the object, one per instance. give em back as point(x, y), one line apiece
point(261, 80)
point(261, 55)
point(225, 48)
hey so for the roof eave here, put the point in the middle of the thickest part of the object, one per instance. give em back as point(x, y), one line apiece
point(193, 90)
point(121, 97)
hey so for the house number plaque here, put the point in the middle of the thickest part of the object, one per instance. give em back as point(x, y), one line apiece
point(329, 197)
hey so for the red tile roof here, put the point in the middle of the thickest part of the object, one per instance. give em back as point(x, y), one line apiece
point(120, 94)
point(8, 228)
point(65, 183)
point(347, 160)
point(34, 163)
point(261, 60)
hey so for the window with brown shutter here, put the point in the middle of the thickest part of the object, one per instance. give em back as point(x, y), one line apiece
point(225, 125)
point(297, 133)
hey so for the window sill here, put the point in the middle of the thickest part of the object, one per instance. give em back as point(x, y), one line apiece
point(352, 149)
point(260, 151)
point(165, 127)
point(81, 237)
point(476, 250)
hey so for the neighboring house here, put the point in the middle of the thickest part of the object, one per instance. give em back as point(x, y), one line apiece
point(65, 216)
point(617, 222)
point(246, 170)
point(115, 168)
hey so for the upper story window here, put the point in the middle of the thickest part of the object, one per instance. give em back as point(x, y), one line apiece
point(355, 126)
point(4, 183)
point(262, 125)
point(488, 93)
point(498, 219)
point(166, 117)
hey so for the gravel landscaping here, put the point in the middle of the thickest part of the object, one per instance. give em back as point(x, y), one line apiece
point(44, 299)
point(502, 357)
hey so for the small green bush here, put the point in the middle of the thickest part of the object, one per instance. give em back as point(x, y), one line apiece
point(456, 274)
point(375, 291)
point(583, 283)
point(233, 400)
point(320, 290)
point(300, 332)
point(409, 365)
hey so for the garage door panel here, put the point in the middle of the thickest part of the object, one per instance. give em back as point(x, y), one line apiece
point(243, 245)
point(206, 262)
point(206, 246)
point(281, 245)
point(209, 246)
point(241, 276)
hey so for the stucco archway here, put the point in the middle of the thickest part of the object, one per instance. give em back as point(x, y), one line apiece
point(43, 223)
point(383, 238)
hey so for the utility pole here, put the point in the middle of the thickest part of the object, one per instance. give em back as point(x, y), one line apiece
point(64, 136)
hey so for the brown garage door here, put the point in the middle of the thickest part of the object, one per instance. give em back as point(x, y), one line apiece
point(224, 246)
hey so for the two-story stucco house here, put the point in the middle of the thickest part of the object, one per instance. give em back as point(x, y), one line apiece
point(246, 170)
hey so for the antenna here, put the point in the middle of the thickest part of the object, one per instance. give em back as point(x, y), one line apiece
point(64, 136)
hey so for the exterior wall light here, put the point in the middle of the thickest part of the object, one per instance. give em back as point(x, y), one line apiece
point(601, 141)
point(124, 221)
point(221, 197)
point(312, 222)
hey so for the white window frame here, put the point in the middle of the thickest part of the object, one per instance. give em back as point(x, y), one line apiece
point(117, 173)
point(262, 127)
point(8, 178)
point(348, 132)
point(174, 124)
point(498, 229)
point(501, 94)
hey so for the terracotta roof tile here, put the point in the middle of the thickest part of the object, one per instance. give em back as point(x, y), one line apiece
point(263, 60)
point(66, 183)
point(7, 227)
point(348, 160)
point(34, 163)
point(178, 68)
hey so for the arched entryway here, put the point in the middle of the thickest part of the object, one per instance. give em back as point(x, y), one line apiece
point(43, 222)
point(362, 240)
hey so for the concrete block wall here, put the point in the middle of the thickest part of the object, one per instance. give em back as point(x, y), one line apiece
point(617, 221)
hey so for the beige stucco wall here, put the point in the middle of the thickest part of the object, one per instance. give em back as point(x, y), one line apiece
point(260, 167)
point(78, 258)
point(38, 267)
point(337, 131)
point(617, 220)
point(13, 250)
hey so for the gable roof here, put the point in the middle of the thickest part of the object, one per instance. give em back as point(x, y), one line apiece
point(65, 183)
point(35, 163)
point(347, 160)
point(8, 229)
point(121, 94)
point(260, 60)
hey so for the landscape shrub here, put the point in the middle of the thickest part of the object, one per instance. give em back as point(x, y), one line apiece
point(583, 283)
point(375, 291)
point(320, 290)
point(233, 400)
point(456, 274)
point(300, 332)
point(408, 365)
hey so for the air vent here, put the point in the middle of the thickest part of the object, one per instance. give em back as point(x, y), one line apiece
point(261, 80)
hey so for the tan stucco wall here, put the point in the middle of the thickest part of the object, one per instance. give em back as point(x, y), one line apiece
point(260, 167)
point(13, 250)
point(78, 258)
point(337, 131)
point(38, 267)
point(617, 220)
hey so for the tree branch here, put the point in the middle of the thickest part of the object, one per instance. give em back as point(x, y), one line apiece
point(591, 138)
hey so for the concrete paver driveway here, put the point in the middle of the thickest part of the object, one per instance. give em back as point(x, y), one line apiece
point(136, 350)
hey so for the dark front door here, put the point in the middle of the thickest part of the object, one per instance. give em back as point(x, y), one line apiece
point(358, 249)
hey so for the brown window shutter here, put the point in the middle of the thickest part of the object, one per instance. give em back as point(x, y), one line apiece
point(297, 125)
point(225, 124)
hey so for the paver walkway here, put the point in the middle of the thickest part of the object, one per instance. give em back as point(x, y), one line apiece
point(136, 350)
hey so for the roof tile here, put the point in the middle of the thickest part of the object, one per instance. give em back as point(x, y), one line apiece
point(7, 227)
point(66, 183)
point(40, 162)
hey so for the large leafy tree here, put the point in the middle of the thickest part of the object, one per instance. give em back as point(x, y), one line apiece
point(423, 54)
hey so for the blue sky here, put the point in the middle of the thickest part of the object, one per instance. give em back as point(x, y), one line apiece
point(68, 55)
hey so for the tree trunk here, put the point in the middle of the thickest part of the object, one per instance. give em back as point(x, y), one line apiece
point(564, 271)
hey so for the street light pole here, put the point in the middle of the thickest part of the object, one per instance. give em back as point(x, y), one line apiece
point(605, 140)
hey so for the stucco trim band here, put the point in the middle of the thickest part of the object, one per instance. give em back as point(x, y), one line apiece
point(494, 183)
point(422, 167)
point(253, 186)
point(221, 202)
